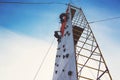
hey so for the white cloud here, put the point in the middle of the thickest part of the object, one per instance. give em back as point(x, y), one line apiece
point(20, 57)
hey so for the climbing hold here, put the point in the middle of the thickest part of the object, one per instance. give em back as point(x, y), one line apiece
point(70, 73)
point(67, 55)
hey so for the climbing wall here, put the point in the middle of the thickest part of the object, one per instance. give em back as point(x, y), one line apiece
point(65, 63)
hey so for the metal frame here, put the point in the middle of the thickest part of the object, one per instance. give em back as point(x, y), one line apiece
point(88, 52)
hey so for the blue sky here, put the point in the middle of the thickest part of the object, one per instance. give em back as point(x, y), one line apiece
point(28, 30)
point(33, 20)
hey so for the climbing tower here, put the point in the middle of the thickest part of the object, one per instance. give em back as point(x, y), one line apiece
point(78, 54)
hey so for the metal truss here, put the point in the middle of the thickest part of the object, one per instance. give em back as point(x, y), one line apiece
point(90, 61)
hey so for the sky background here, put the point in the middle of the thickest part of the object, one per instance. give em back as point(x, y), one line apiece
point(26, 32)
